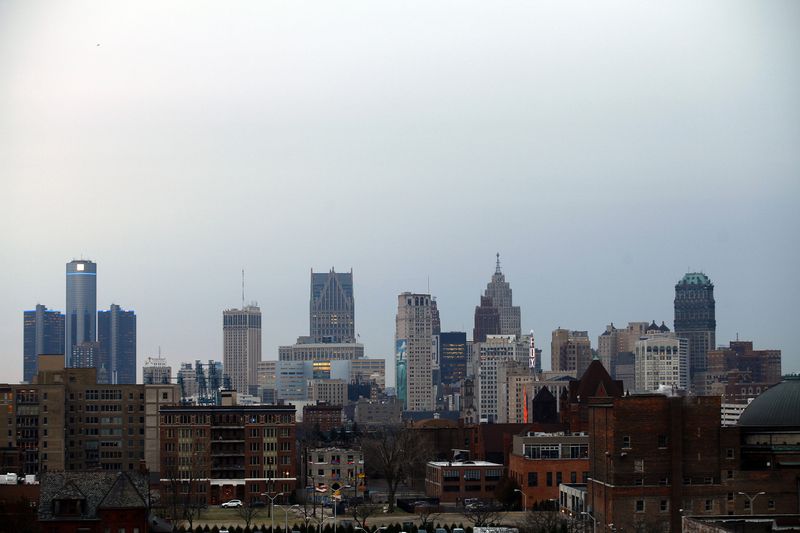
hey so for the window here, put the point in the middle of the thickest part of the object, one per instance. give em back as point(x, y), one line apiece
point(730, 496)
point(533, 479)
point(729, 453)
point(747, 504)
point(771, 505)
point(662, 441)
point(549, 479)
point(573, 477)
point(558, 478)
point(709, 505)
point(730, 474)
point(626, 441)
point(472, 474)
point(664, 506)
point(639, 507)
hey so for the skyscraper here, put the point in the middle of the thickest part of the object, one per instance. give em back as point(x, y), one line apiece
point(487, 320)
point(413, 332)
point(570, 351)
point(241, 331)
point(43, 333)
point(81, 312)
point(116, 333)
point(453, 356)
point(695, 318)
point(332, 312)
point(498, 292)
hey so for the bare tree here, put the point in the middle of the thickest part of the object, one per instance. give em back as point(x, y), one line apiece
point(397, 456)
point(482, 515)
point(553, 522)
point(427, 515)
point(182, 490)
point(249, 511)
point(362, 511)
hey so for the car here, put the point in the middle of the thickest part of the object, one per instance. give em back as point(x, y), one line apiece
point(232, 503)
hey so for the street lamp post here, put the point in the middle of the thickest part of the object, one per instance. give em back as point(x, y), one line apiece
point(752, 498)
point(524, 499)
point(272, 508)
point(594, 520)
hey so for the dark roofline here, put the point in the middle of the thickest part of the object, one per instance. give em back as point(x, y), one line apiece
point(290, 408)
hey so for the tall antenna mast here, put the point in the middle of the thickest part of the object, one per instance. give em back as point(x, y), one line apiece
point(242, 288)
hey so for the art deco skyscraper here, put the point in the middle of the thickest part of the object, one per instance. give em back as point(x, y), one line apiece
point(81, 311)
point(241, 331)
point(413, 332)
point(498, 292)
point(695, 318)
point(116, 333)
point(43, 333)
point(332, 312)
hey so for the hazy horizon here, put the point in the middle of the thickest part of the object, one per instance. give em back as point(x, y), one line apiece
point(602, 150)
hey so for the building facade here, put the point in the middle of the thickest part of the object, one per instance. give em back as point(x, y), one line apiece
point(80, 323)
point(570, 351)
point(228, 451)
point(452, 356)
point(310, 351)
point(662, 361)
point(695, 318)
point(453, 482)
point(336, 469)
point(43, 334)
point(116, 333)
point(156, 371)
point(540, 462)
point(67, 421)
point(332, 314)
point(413, 334)
point(241, 331)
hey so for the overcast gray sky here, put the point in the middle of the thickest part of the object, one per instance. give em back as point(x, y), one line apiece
point(601, 147)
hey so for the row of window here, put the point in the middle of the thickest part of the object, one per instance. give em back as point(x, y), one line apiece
point(533, 478)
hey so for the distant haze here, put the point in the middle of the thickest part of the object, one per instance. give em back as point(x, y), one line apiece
point(603, 148)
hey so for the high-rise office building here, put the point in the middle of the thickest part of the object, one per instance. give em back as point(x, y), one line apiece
point(499, 290)
point(570, 351)
point(88, 355)
point(661, 361)
point(453, 356)
point(156, 371)
point(116, 333)
point(695, 318)
point(487, 320)
point(81, 312)
point(241, 331)
point(332, 313)
point(497, 295)
point(43, 334)
point(413, 333)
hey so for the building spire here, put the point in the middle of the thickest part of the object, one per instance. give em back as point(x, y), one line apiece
point(497, 268)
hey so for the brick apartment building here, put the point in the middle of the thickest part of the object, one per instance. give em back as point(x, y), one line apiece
point(540, 462)
point(65, 420)
point(653, 457)
point(229, 451)
point(322, 417)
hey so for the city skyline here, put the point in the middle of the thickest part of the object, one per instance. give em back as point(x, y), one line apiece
point(270, 350)
point(411, 143)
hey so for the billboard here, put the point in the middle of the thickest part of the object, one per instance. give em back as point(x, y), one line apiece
point(400, 370)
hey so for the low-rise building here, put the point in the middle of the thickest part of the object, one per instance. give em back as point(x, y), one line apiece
point(453, 482)
point(337, 472)
point(540, 462)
